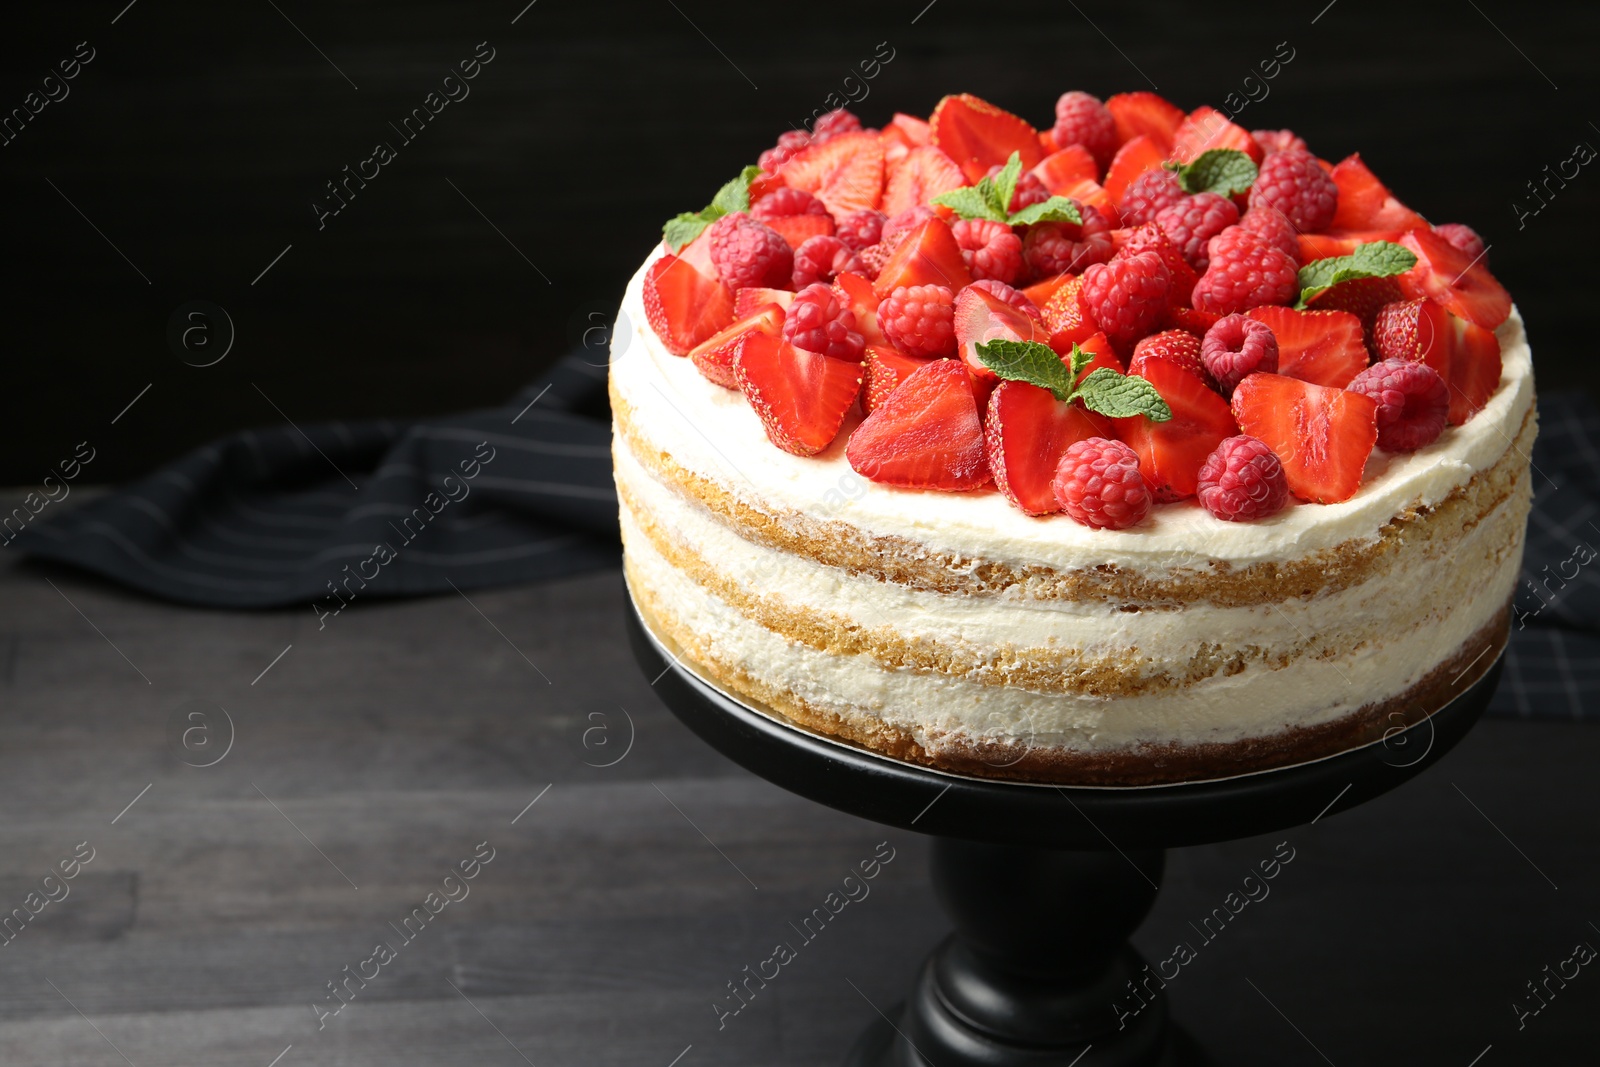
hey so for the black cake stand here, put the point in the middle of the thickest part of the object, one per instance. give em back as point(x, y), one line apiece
point(1043, 883)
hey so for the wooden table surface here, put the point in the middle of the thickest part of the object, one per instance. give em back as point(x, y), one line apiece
point(369, 757)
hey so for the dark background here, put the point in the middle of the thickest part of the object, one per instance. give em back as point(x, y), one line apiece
point(198, 138)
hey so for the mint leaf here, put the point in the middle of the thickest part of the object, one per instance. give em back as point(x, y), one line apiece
point(1056, 209)
point(1003, 186)
point(1224, 171)
point(1080, 359)
point(970, 202)
point(1118, 396)
point(683, 229)
point(1375, 259)
point(733, 196)
point(1028, 361)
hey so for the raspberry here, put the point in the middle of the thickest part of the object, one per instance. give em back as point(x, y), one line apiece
point(789, 142)
point(1292, 182)
point(1098, 484)
point(1273, 227)
point(1235, 347)
point(1151, 238)
point(827, 127)
point(1149, 193)
point(818, 321)
point(783, 202)
point(821, 259)
point(1243, 480)
point(1029, 189)
point(990, 249)
point(1015, 297)
point(1055, 247)
point(1244, 272)
point(861, 229)
point(903, 223)
point(1174, 346)
point(747, 252)
point(1413, 403)
point(920, 320)
point(1463, 237)
point(1126, 296)
point(1083, 119)
point(872, 259)
point(1278, 141)
point(1193, 221)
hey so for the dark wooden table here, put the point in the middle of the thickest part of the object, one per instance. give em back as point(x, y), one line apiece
point(370, 756)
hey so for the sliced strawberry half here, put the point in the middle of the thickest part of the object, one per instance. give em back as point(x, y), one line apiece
point(860, 297)
point(845, 172)
point(714, 356)
point(1450, 277)
point(1099, 347)
point(928, 255)
point(798, 229)
point(1176, 346)
point(1339, 242)
point(885, 369)
point(1063, 170)
point(683, 305)
point(1066, 320)
point(978, 135)
point(1466, 355)
point(980, 317)
point(1206, 128)
point(1090, 192)
point(1132, 159)
point(1027, 431)
point(1040, 292)
point(1194, 320)
point(753, 298)
point(926, 434)
point(1172, 452)
point(1322, 435)
point(923, 174)
point(1365, 203)
point(915, 131)
point(1363, 298)
point(801, 397)
point(1321, 347)
point(1145, 114)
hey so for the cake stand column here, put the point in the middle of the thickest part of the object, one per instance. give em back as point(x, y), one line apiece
point(1036, 966)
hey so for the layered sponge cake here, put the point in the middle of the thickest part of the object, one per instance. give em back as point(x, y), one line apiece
point(1039, 455)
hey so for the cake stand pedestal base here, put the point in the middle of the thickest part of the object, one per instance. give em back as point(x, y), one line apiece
point(1044, 884)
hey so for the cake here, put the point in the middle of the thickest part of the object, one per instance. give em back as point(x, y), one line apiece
point(1142, 449)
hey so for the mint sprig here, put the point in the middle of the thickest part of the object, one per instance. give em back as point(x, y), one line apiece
point(1375, 259)
point(1114, 395)
point(1224, 171)
point(991, 199)
point(733, 196)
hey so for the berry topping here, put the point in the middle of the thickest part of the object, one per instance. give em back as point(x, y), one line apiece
point(822, 259)
point(1145, 115)
point(1465, 238)
point(1243, 481)
point(1273, 227)
point(684, 306)
point(1464, 354)
point(1029, 189)
point(919, 320)
point(1244, 272)
point(1171, 452)
point(926, 255)
point(885, 369)
point(1324, 347)
point(872, 259)
point(1177, 346)
point(1235, 348)
point(1082, 119)
point(1058, 247)
point(1152, 238)
point(923, 174)
point(1193, 221)
point(855, 291)
point(1413, 403)
point(1206, 128)
point(818, 321)
point(989, 249)
point(1059, 173)
point(1148, 194)
point(832, 124)
point(798, 229)
point(1126, 297)
point(801, 397)
point(845, 172)
point(861, 229)
point(977, 135)
point(789, 143)
point(747, 302)
point(1294, 184)
point(745, 251)
point(1365, 203)
point(1133, 160)
point(981, 317)
point(1271, 141)
point(898, 225)
point(1449, 277)
point(1015, 297)
point(1027, 431)
point(714, 356)
point(1361, 297)
point(1099, 485)
point(1066, 319)
point(1322, 435)
point(784, 201)
point(926, 434)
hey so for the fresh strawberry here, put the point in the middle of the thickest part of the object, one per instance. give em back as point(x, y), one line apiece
point(1364, 202)
point(714, 356)
point(1339, 242)
point(978, 135)
point(1065, 318)
point(683, 305)
point(801, 397)
point(748, 301)
point(1206, 128)
point(1132, 159)
point(1321, 347)
point(844, 172)
point(1322, 435)
point(1145, 115)
point(1040, 292)
point(1464, 354)
point(926, 434)
point(1097, 346)
point(981, 317)
point(1363, 298)
point(927, 255)
point(1063, 170)
point(697, 254)
point(1172, 452)
point(1175, 346)
point(765, 184)
point(913, 129)
point(922, 175)
point(798, 229)
point(1448, 276)
point(886, 368)
point(856, 293)
point(1195, 321)
point(1027, 431)
point(1090, 193)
